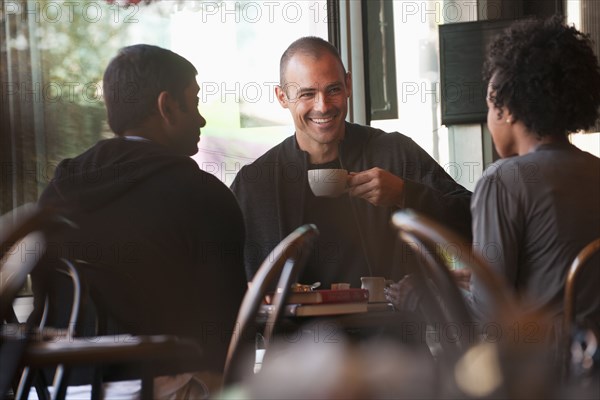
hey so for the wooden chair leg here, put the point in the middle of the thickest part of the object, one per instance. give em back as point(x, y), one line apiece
point(40, 384)
point(32, 377)
point(61, 382)
point(97, 388)
point(10, 354)
point(25, 383)
point(147, 384)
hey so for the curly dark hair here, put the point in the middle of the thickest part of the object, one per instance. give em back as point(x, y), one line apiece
point(546, 74)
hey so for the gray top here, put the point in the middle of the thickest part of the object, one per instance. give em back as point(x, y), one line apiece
point(532, 214)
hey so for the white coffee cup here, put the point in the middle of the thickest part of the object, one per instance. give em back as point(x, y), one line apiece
point(327, 182)
point(375, 285)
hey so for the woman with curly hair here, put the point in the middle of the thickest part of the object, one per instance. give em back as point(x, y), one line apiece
point(535, 209)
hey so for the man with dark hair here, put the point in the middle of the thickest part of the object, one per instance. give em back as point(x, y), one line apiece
point(387, 171)
point(165, 238)
point(144, 84)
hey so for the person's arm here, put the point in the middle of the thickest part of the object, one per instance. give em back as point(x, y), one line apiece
point(496, 236)
point(448, 205)
point(253, 253)
point(424, 187)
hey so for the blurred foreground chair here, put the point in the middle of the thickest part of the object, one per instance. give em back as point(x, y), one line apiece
point(511, 362)
point(587, 260)
point(27, 348)
point(23, 233)
point(376, 368)
point(138, 357)
point(281, 267)
point(439, 251)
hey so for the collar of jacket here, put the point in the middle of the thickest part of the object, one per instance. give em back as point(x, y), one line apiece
point(291, 175)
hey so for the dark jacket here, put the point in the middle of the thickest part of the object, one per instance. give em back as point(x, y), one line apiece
point(168, 239)
point(272, 190)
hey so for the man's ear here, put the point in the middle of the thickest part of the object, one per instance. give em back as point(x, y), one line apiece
point(349, 83)
point(281, 96)
point(166, 106)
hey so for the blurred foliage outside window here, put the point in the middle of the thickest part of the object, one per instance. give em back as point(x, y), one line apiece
point(53, 54)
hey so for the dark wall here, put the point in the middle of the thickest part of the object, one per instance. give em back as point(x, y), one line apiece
point(509, 9)
point(542, 8)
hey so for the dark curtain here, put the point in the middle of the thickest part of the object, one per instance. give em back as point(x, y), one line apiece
point(21, 107)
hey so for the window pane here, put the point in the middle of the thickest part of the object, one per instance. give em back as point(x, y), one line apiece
point(416, 39)
point(54, 54)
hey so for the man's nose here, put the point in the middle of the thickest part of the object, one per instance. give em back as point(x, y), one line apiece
point(321, 103)
point(202, 121)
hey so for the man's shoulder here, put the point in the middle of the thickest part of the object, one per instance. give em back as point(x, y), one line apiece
point(122, 150)
point(264, 166)
point(152, 161)
point(275, 153)
point(375, 135)
point(104, 146)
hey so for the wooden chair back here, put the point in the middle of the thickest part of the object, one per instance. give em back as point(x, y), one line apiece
point(439, 249)
point(144, 356)
point(588, 257)
point(23, 233)
point(281, 266)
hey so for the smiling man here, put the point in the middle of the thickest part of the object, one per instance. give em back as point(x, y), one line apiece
point(388, 171)
point(315, 89)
